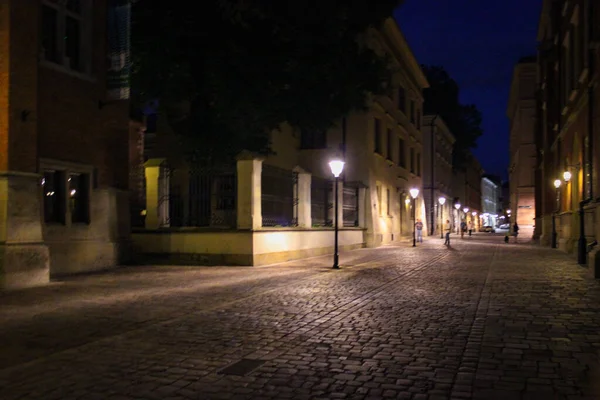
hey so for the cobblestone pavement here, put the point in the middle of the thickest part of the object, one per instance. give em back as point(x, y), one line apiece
point(481, 320)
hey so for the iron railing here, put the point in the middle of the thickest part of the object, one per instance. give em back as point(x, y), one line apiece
point(321, 202)
point(203, 197)
point(279, 197)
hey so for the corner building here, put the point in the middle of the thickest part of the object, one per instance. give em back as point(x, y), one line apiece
point(63, 138)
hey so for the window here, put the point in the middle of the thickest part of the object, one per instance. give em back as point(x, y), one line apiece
point(387, 201)
point(313, 140)
point(402, 154)
point(63, 28)
point(377, 136)
point(54, 196)
point(418, 164)
point(389, 144)
point(412, 160)
point(79, 204)
point(402, 99)
point(412, 111)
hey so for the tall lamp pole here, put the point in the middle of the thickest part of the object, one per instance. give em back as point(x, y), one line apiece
point(557, 184)
point(337, 166)
point(414, 192)
point(442, 200)
point(457, 206)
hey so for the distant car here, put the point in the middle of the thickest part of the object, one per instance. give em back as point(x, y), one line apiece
point(504, 226)
point(489, 229)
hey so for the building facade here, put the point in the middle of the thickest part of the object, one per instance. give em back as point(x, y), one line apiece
point(282, 207)
point(63, 139)
point(568, 125)
point(521, 113)
point(491, 206)
point(438, 143)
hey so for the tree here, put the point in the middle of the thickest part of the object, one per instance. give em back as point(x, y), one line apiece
point(463, 120)
point(229, 74)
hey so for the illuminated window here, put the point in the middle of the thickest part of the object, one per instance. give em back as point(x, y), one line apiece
point(54, 196)
point(79, 203)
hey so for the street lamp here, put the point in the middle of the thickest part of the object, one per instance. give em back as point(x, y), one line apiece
point(557, 184)
point(442, 201)
point(457, 206)
point(567, 176)
point(337, 166)
point(414, 192)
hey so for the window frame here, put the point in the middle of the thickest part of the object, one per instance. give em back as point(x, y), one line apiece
point(67, 169)
point(84, 18)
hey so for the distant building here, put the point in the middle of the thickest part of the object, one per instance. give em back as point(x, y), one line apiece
point(569, 126)
point(438, 142)
point(521, 113)
point(490, 201)
point(466, 189)
point(64, 120)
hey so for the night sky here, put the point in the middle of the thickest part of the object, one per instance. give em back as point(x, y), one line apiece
point(478, 42)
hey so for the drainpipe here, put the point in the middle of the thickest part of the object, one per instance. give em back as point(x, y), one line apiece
point(432, 212)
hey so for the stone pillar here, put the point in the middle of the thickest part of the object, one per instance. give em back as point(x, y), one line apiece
point(24, 258)
point(362, 207)
point(340, 200)
point(249, 194)
point(304, 199)
point(152, 169)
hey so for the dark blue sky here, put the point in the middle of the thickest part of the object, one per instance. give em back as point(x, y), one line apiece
point(478, 42)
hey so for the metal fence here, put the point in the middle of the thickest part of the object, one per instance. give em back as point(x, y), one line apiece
point(279, 197)
point(350, 207)
point(321, 201)
point(201, 197)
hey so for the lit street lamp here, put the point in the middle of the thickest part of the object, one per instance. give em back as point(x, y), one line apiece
point(442, 200)
point(414, 192)
point(457, 206)
point(337, 166)
point(557, 184)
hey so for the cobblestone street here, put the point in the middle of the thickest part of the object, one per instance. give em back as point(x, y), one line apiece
point(481, 320)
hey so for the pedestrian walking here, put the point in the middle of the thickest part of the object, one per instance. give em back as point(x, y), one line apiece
point(419, 230)
point(463, 229)
point(448, 229)
point(471, 227)
point(516, 231)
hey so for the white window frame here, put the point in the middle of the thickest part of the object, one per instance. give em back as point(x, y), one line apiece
point(85, 42)
point(69, 168)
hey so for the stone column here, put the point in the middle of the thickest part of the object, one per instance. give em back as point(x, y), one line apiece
point(24, 258)
point(152, 169)
point(304, 199)
point(340, 200)
point(249, 194)
point(362, 207)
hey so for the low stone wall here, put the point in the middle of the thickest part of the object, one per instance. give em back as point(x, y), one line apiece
point(245, 248)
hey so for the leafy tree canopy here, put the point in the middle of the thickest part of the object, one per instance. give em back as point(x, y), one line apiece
point(229, 71)
point(463, 120)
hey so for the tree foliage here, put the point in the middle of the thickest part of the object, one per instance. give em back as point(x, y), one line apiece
point(463, 120)
point(231, 71)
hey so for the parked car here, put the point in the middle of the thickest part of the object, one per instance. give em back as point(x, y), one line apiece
point(489, 229)
point(504, 226)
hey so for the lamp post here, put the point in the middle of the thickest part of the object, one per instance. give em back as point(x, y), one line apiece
point(557, 184)
point(414, 192)
point(337, 166)
point(442, 201)
point(457, 206)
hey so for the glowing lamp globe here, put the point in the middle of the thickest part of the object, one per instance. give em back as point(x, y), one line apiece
point(557, 183)
point(414, 193)
point(442, 200)
point(337, 166)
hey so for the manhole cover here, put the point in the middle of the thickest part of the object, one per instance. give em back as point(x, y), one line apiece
point(242, 367)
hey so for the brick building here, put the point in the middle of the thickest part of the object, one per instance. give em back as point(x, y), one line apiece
point(568, 112)
point(63, 137)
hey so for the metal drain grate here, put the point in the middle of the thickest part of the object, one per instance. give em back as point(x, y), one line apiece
point(242, 367)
